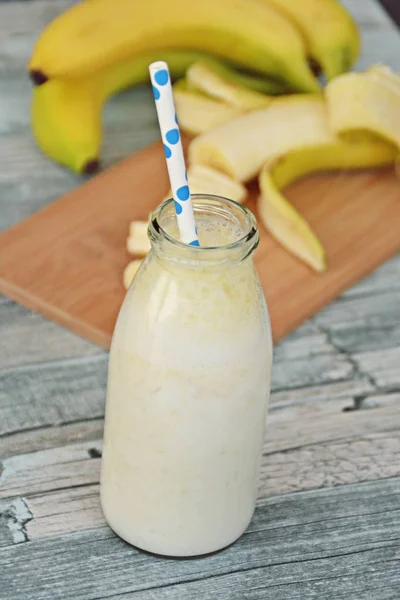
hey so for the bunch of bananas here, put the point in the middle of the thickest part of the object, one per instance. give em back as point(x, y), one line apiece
point(99, 47)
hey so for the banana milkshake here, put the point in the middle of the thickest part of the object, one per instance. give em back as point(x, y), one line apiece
point(188, 387)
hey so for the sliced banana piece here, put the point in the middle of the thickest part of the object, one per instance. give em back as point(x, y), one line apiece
point(367, 101)
point(130, 271)
point(204, 180)
point(198, 113)
point(241, 147)
point(138, 242)
point(203, 77)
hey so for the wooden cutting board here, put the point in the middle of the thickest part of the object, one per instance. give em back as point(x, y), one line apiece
point(66, 261)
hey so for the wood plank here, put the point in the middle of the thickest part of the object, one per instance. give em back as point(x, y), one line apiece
point(361, 323)
point(58, 468)
point(19, 26)
point(379, 46)
point(351, 391)
point(384, 279)
point(384, 370)
point(13, 519)
point(311, 467)
point(28, 338)
point(55, 436)
point(72, 390)
point(65, 511)
point(52, 394)
point(296, 428)
point(334, 538)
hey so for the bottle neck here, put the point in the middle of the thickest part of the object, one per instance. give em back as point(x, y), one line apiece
point(227, 232)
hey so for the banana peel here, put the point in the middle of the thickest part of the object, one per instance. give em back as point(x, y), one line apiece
point(368, 101)
point(240, 147)
point(287, 226)
point(359, 150)
point(203, 77)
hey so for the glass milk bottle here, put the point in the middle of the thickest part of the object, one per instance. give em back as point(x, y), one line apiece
point(188, 387)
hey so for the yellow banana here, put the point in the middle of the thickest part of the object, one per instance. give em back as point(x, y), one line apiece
point(66, 114)
point(241, 146)
point(92, 35)
point(367, 101)
point(280, 217)
point(331, 34)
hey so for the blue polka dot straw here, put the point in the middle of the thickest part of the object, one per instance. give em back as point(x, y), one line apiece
point(171, 138)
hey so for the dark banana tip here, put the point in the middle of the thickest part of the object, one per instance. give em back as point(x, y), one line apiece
point(91, 167)
point(315, 67)
point(38, 77)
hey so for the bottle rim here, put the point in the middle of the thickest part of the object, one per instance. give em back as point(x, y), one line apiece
point(211, 203)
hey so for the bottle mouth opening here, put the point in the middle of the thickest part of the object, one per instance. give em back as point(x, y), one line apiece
point(206, 205)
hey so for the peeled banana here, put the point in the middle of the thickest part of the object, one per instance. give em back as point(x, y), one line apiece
point(241, 146)
point(198, 113)
point(207, 80)
point(331, 34)
point(359, 150)
point(91, 36)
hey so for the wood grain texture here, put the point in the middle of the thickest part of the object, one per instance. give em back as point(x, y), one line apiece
point(308, 444)
point(333, 543)
point(58, 392)
point(31, 439)
point(385, 373)
point(321, 465)
point(359, 323)
point(54, 393)
point(53, 436)
point(384, 279)
point(54, 261)
point(28, 338)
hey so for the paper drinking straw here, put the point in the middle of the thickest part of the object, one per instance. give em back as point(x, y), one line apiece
point(162, 91)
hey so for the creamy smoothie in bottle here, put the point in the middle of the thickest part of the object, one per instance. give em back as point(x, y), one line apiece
point(188, 387)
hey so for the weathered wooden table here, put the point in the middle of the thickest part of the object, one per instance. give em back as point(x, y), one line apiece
point(328, 519)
